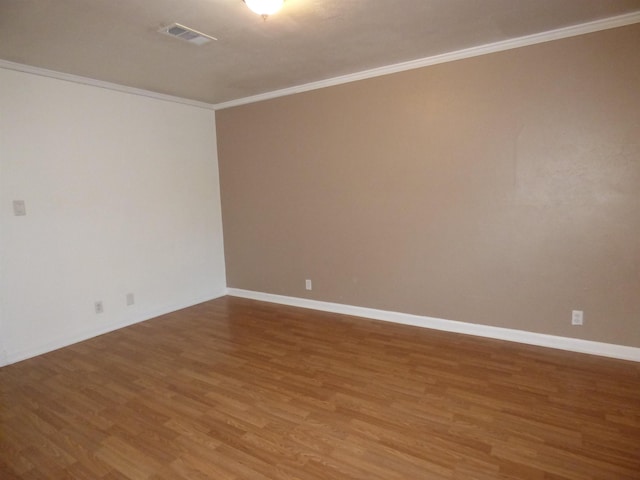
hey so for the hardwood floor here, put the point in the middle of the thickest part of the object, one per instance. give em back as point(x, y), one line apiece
point(238, 389)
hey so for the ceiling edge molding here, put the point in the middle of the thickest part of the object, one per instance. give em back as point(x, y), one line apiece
point(565, 32)
point(43, 72)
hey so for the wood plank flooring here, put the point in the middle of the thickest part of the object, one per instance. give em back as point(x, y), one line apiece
point(238, 389)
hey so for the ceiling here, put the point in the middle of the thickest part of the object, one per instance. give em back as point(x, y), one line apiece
point(307, 41)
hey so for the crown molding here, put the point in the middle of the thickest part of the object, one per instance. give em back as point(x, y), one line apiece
point(43, 72)
point(565, 32)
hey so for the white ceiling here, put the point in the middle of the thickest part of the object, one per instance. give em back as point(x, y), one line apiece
point(307, 41)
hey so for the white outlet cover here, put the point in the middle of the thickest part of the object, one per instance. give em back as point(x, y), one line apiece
point(19, 208)
point(577, 317)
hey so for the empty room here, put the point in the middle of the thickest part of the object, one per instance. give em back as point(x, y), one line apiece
point(320, 239)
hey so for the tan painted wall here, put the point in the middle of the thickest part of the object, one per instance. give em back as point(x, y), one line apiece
point(501, 190)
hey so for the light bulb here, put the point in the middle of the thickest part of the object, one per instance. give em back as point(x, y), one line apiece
point(264, 7)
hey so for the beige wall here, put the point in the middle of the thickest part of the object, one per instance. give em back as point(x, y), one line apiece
point(501, 190)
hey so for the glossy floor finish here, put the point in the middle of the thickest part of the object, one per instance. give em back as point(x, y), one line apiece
point(239, 389)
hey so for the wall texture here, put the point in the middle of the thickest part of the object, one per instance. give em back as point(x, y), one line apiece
point(122, 196)
point(501, 190)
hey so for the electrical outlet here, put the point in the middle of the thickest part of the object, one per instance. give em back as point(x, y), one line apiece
point(577, 317)
point(19, 208)
point(99, 307)
point(130, 299)
point(307, 284)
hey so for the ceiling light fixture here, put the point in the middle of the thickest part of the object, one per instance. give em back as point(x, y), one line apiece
point(264, 7)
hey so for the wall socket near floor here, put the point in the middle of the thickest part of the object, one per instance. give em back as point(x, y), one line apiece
point(577, 317)
point(98, 306)
point(19, 208)
point(307, 284)
point(130, 299)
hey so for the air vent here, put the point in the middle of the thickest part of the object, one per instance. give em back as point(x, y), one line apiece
point(186, 33)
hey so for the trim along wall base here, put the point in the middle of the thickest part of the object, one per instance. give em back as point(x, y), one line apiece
point(66, 340)
point(519, 336)
point(621, 352)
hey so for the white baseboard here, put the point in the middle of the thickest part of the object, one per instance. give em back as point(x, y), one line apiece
point(520, 336)
point(75, 337)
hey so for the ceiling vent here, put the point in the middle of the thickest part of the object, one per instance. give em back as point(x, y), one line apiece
point(186, 33)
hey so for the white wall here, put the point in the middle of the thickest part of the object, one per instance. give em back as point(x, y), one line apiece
point(122, 195)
